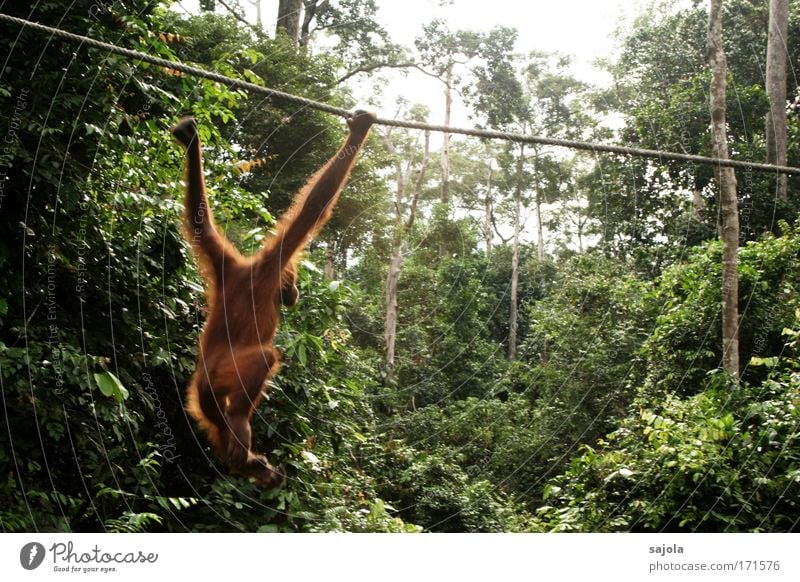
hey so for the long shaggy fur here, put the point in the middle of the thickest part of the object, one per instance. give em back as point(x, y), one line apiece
point(244, 294)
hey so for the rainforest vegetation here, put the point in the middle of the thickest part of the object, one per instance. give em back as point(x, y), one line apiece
point(491, 337)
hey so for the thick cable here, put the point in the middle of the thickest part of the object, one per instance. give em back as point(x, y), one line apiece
point(475, 132)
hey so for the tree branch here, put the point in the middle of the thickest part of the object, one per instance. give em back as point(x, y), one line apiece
point(412, 212)
point(494, 224)
point(372, 67)
point(311, 7)
point(237, 16)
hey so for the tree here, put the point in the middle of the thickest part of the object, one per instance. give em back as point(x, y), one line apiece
point(512, 334)
point(289, 13)
point(473, 168)
point(362, 44)
point(661, 88)
point(442, 51)
point(257, 4)
point(777, 57)
point(726, 181)
point(405, 213)
point(573, 218)
point(541, 98)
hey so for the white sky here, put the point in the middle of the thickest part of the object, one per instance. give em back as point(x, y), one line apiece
point(582, 28)
point(578, 27)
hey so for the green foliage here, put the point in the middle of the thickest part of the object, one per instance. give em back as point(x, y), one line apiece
point(685, 344)
point(583, 343)
point(362, 44)
point(709, 462)
point(432, 489)
point(613, 416)
point(661, 86)
point(504, 442)
point(103, 305)
point(690, 454)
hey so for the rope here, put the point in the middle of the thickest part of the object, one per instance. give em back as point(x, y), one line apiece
point(481, 133)
point(184, 68)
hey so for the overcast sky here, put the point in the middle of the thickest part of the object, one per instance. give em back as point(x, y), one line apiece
point(582, 28)
point(578, 27)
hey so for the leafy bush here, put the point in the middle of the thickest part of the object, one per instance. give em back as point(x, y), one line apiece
point(685, 343)
point(713, 461)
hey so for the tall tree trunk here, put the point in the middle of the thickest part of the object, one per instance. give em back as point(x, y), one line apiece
point(289, 12)
point(777, 56)
point(396, 262)
point(393, 276)
point(487, 212)
point(698, 204)
point(330, 262)
point(538, 199)
point(423, 168)
point(539, 229)
point(448, 106)
point(390, 324)
point(512, 333)
point(726, 179)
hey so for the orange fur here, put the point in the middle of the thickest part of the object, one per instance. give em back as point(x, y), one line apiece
point(244, 294)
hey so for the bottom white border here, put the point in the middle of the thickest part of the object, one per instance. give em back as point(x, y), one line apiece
point(411, 557)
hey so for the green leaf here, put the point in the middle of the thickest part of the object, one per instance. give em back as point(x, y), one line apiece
point(768, 362)
point(110, 385)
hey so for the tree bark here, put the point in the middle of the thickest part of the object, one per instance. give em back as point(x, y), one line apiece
point(390, 325)
point(289, 13)
point(512, 333)
point(445, 161)
point(726, 180)
point(777, 56)
point(311, 8)
point(539, 229)
point(487, 212)
point(330, 262)
point(426, 156)
point(396, 262)
point(698, 204)
point(539, 226)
